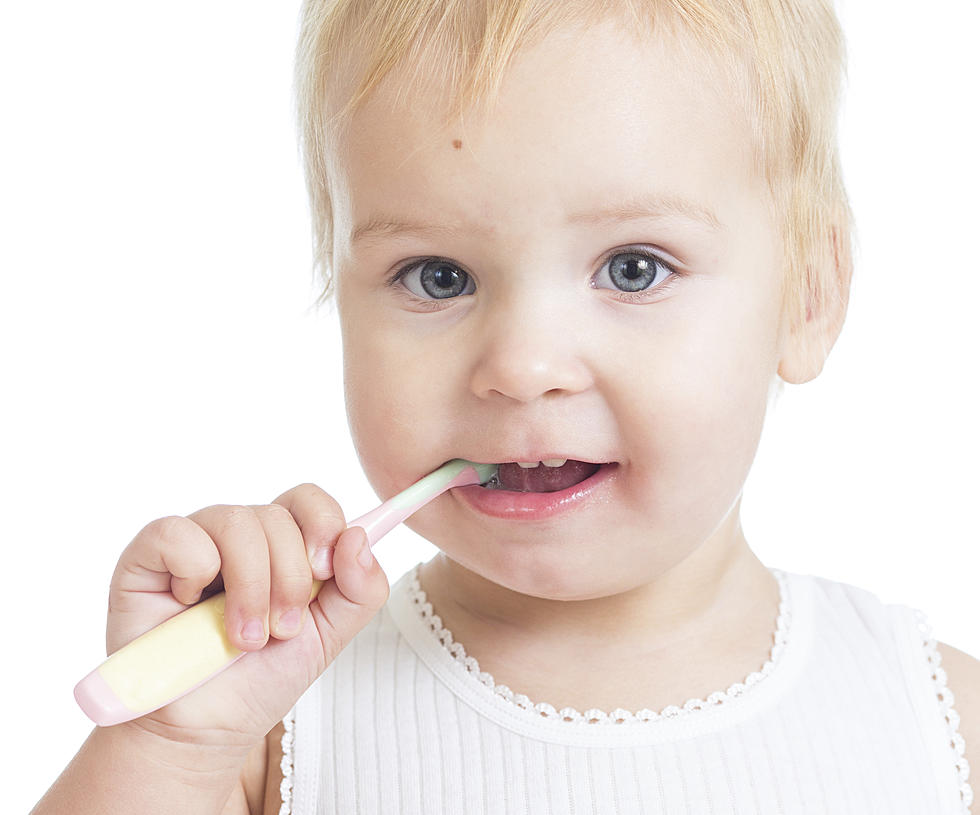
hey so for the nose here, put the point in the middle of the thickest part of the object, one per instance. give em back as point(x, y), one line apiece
point(529, 349)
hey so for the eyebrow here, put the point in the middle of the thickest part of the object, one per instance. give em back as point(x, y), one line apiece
point(653, 207)
point(387, 227)
point(656, 207)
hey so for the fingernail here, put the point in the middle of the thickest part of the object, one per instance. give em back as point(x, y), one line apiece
point(322, 560)
point(289, 621)
point(364, 557)
point(253, 630)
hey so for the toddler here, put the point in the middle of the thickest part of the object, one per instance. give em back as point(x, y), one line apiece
point(586, 242)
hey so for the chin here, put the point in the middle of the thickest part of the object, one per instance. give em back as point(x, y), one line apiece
point(549, 576)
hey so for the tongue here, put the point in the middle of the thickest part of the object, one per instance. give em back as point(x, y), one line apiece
point(542, 478)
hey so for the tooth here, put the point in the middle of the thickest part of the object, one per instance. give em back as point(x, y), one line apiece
point(553, 462)
point(527, 465)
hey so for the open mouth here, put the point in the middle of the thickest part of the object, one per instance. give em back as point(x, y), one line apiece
point(543, 490)
point(542, 476)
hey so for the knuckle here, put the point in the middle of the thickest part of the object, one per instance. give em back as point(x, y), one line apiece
point(311, 504)
point(164, 531)
point(316, 513)
point(299, 578)
point(275, 513)
point(293, 576)
point(235, 518)
point(250, 595)
point(310, 490)
point(292, 585)
point(251, 585)
point(310, 494)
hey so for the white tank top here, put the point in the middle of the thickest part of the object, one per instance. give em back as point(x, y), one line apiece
point(850, 714)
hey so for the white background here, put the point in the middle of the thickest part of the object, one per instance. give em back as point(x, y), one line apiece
point(159, 352)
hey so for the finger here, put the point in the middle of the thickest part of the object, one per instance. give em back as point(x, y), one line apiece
point(244, 550)
point(170, 553)
point(348, 602)
point(169, 558)
point(290, 574)
point(320, 520)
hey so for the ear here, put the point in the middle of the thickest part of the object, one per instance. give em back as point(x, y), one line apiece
point(807, 342)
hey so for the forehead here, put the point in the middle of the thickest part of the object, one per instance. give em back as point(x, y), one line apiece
point(583, 116)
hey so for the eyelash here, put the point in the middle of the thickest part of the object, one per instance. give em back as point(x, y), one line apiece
point(624, 296)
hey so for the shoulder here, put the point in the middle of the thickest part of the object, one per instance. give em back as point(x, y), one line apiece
point(963, 681)
point(838, 597)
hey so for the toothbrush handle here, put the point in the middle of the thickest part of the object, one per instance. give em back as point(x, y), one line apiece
point(184, 652)
point(166, 662)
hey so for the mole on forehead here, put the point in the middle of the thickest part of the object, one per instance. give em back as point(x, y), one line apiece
point(457, 144)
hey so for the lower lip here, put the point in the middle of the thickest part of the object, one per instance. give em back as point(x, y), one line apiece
point(536, 506)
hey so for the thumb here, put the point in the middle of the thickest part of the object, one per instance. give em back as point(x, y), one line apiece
point(348, 602)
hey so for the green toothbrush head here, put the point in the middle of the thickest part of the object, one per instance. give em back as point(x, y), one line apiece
point(450, 474)
point(484, 471)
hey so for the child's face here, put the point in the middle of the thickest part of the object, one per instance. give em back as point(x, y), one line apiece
point(601, 146)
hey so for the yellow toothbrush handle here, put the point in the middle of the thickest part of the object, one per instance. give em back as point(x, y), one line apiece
point(161, 665)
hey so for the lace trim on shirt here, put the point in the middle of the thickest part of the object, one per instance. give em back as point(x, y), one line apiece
point(286, 765)
point(957, 744)
point(594, 716)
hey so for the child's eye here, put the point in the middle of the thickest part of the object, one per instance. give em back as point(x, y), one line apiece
point(634, 271)
point(434, 279)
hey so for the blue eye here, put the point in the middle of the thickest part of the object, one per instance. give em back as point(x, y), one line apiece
point(436, 280)
point(635, 271)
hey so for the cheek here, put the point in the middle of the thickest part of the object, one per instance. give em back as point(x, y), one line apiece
point(732, 366)
point(699, 410)
point(387, 386)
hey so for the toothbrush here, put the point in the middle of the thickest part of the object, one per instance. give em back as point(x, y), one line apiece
point(191, 647)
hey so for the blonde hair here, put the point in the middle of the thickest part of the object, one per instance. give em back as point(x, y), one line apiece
point(788, 54)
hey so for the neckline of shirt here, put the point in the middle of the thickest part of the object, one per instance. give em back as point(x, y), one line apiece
point(447, 659)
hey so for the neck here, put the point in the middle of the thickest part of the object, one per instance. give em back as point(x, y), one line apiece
point(705, 623)
point(717, 577)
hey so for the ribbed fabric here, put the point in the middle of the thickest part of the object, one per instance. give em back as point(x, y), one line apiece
point(846, 721)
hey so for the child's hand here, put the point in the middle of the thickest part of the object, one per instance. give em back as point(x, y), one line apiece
point(262, 555)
